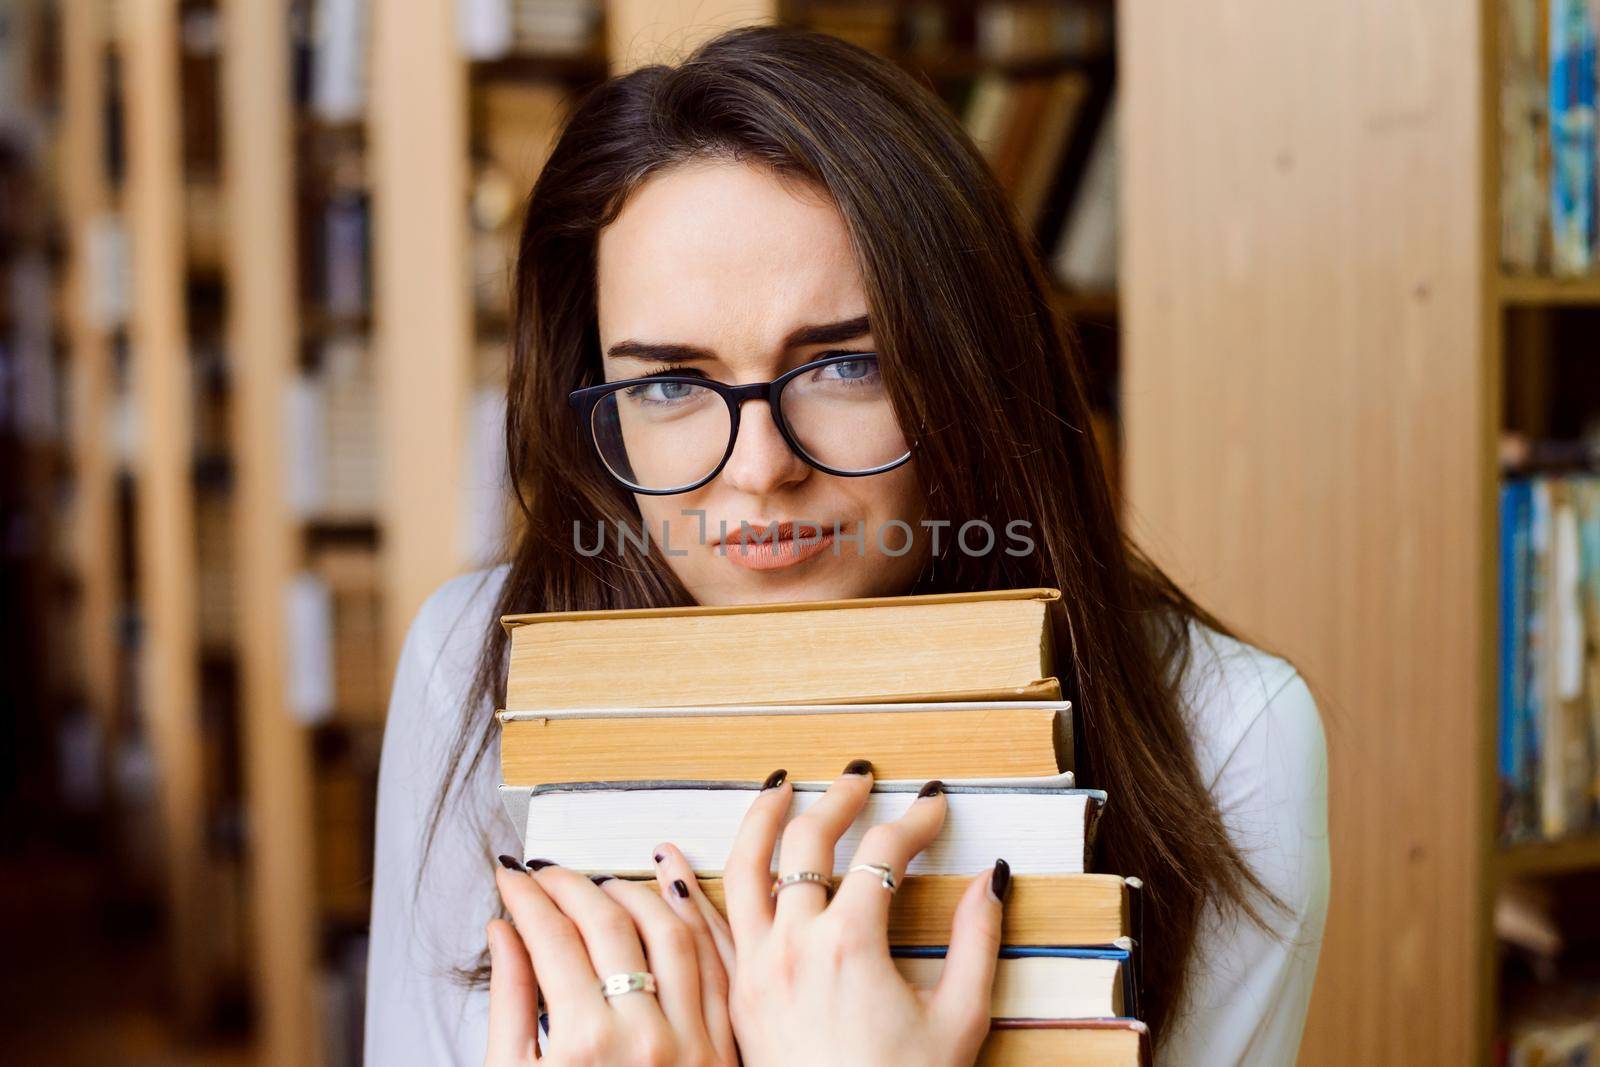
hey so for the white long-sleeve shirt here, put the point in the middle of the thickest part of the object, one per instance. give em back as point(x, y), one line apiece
point(1259, 743)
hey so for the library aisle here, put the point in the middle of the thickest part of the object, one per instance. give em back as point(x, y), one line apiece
point(1336, 283)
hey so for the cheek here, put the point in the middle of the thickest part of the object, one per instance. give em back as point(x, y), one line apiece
point(899, 496)
point(685, 530)
point(653, 512)
point(667, 512)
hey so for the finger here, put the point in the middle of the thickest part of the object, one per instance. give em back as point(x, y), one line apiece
point(671, 952)
point(682, 891)
point(513, 996)
point(861, 896)
point(673, 866)
point(810, 839)
point(608, 932)
point(555, 948)
point(966, 982)
point(747, 876)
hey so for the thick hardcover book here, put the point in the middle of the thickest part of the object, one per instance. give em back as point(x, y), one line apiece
point(1039, 981)
point(991, 645)
point(979, 739)
point(613, 827)
point(1066, 1043)
point(1041, 909)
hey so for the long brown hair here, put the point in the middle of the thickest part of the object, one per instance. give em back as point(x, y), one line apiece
point(982, 373)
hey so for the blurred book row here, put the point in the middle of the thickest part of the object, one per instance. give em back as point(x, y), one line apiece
point(1549, 655)
point(1548, 182)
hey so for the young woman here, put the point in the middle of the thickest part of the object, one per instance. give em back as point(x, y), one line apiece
point(785, 208)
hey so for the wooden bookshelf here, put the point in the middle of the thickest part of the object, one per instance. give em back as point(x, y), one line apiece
point(1521, 346)
point(1307, 398)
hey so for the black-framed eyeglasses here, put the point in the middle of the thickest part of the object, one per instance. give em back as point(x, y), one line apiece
point(671, 433)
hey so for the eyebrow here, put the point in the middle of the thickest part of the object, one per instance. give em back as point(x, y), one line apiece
point(827, 333)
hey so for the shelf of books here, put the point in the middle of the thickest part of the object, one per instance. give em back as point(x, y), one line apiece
point(1545, 299)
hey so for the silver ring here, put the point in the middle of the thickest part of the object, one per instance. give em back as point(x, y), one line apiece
point(615, 985)
point(882, 870)
point(780, 884)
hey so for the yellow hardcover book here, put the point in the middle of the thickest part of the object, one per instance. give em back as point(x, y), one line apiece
point(1070, 1043)
point(992, 645)
point(991, 739)
point(1042, 909)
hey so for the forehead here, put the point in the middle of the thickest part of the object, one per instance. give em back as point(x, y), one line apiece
point(716, 253)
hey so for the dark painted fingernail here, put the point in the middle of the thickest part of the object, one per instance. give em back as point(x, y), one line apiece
point(597, 879)
point(932, 789)
point(1000, 881)
point(858, 766)
point(511, 863)
point(774, 780)
point(539, 865)
point(680, 888)
point(660, 857)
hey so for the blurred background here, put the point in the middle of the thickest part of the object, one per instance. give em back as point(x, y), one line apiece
point(1332, 266)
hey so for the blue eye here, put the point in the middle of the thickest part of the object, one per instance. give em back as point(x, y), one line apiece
point(668, 392)
point(849, 371)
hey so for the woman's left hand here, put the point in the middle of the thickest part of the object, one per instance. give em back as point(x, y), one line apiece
point(569, 933)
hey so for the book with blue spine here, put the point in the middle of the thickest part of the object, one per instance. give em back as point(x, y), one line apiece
point(1537, 651)
point(1572, 136)
point(1516, 504)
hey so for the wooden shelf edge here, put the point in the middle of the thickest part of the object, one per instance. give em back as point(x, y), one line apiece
point(1529, 290)
point(1543, 858)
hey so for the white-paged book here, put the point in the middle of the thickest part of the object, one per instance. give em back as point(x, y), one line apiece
point(1038, 825)
point(1039, 981)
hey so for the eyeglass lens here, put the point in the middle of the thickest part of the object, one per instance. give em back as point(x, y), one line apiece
point(663, 435)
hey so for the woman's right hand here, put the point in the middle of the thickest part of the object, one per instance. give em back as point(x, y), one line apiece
point(813, 981)
point(571, 932)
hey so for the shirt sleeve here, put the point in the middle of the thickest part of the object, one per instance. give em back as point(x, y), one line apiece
point(1249, 988)
point(428, 917)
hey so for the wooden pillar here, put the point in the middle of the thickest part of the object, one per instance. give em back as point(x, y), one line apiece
point(1303, 408)
point(86, 202)
point(422, 300)
point(164, 469)
point(263, 339)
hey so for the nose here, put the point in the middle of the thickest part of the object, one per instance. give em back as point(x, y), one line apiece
point(762, 462)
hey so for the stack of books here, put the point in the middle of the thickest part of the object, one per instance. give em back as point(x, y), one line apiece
point(627, 728)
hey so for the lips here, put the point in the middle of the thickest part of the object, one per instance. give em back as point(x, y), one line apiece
point(756, 533)
point(756, 548)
